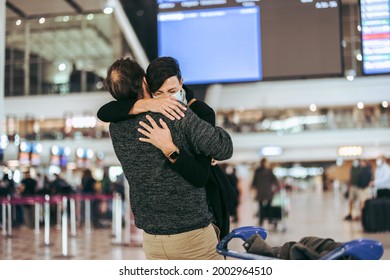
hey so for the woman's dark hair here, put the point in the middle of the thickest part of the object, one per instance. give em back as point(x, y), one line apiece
point(161, 69)
point(124, 79)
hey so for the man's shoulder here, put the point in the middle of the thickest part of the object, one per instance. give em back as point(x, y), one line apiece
point(128, 122)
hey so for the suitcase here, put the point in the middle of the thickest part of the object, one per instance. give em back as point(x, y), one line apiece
point(376, 215)
point(275, 213)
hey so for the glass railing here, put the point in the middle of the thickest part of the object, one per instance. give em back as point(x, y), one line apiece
point(247, 122)
point(89, 127)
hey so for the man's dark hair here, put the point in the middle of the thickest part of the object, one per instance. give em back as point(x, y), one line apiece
point(124, 79)
point(161, 69)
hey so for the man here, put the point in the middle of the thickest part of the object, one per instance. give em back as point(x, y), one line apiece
point(382, 178)
point(265, 182)
point(173, 213)
point(354, 193)
point(28, 187)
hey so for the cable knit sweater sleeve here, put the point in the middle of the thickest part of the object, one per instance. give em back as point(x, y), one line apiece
point(206, 139)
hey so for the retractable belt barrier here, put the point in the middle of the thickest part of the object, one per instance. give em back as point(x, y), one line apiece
point(38, 200)
point(31, 200)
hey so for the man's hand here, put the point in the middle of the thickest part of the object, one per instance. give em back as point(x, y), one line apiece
point(166, 105)
point(160, 137)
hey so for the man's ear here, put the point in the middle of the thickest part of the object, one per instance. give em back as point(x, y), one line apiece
point(145, 84)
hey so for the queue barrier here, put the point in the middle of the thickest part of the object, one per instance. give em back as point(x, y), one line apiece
point(62, 203)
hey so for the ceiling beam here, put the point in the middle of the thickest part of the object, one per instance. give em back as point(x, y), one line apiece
point(75, 6)
point(15, 9)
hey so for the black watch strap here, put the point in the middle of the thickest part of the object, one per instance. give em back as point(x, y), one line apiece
point(173, 155)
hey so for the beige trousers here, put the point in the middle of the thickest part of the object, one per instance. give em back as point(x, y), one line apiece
point(199, 244)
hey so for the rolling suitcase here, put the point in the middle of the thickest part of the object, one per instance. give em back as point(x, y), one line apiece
point(376, 215)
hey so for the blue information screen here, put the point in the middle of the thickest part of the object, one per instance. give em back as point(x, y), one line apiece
point(213, 45)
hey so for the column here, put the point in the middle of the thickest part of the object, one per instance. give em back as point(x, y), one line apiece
point(2, 63)
point(26, 64)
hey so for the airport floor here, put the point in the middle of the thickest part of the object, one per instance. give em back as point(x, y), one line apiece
point(311, 213)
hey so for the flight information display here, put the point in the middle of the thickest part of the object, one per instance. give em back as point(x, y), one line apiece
point(217, 41)
point(375, 23)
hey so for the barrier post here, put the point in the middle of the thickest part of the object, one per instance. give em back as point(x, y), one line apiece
point(64, 226)
point(72, 217)
point(47, 221)
point(113, 210)
point(58, 215)
point(4, 219)
point(118, 219)
point(37, 210)
point(88, 215)
point(127, 235)
point(9, 222)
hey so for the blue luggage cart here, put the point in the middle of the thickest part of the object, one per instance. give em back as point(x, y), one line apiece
point(359, 249)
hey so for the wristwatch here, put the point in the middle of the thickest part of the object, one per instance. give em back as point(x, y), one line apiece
point(173, 155)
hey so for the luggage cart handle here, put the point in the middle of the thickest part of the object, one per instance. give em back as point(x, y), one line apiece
point(360, 249)
point(244, 233)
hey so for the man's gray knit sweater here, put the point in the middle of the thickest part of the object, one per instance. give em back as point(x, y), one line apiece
point(161, 200)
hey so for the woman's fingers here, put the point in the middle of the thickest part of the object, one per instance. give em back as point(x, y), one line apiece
point(147, 140)
point(177, 106)
point(171, 107)
point(171, 114)
point(163, 124)
point(144, 132)
point(146, 126)
point(168, 115)
point(152, 122)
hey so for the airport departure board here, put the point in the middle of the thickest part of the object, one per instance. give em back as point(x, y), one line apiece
point(218, 41)
point(375, 24)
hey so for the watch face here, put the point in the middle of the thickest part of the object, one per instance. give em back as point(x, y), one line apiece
point(174, 155)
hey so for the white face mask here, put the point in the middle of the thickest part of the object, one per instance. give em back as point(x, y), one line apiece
point(178, 95)
point(379, 162)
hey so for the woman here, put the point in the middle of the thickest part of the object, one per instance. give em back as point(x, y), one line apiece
point(164, 81)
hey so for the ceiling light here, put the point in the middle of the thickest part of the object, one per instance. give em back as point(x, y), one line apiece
point(350, 74)
point(62, 67)
point(108, 10)
point(271, 151)
point(108, 7)
point(55, 150)
point(350, 151)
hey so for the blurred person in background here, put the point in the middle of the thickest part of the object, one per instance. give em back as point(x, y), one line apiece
point(7, 187)
point(107, 188)
point(381, 180)
point(265, 183)
point(231, 174)
point(28, 187)
point(88, 187)
point(363, 183)
point(354, 191)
